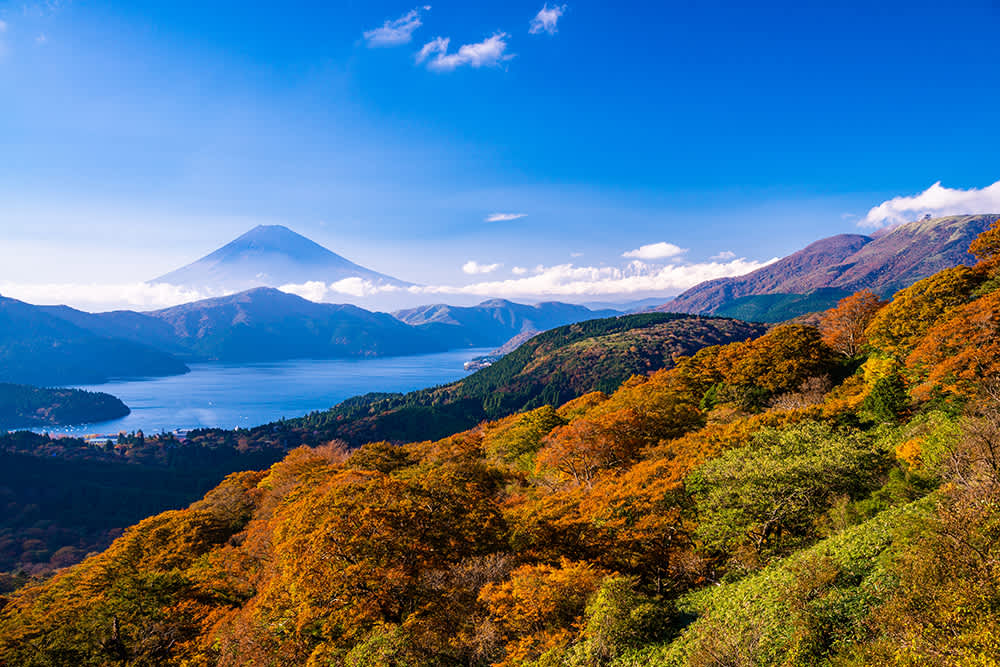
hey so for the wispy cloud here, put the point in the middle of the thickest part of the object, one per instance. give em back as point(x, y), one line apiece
point(724, 255)
point(567, 280)
point(141, 296)
point(488, 53)
point(3, 26)
point(546, 19)
point(504, 217)
point(315, 290)
point(655, 251)
point(935, 201)
point(560, 281)
point(473, 267)
point(399, 31)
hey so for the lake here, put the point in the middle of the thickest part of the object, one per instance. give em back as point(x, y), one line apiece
point(227, 396)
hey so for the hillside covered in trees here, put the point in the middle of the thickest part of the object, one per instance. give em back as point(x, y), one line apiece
point(24, 405)
point(807, 497)
point(63, 497)
point(548, 369)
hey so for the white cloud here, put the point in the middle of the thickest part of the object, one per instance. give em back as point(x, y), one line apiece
point(394, 33)
point(567, 280)
point(655, 251)
point(545, 20)
point(504, 217)
point(935, 201)
point(559, 281)
point(488, 53)
point(724, 255)
point(315, 290)
point(94, 297)
point(473, 267)
point(3, 26)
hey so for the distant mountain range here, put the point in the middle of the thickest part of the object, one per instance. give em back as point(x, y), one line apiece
point(270, 256)
point(815, 277)
point(37, 347)
point(496, 321)
point(265, 324)
point(58, 345)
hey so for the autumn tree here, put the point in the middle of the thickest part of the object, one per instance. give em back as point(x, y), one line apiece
point(540, 607)
point(958, 354)
point(515, 439)
point(588, 445)
point(986, 246)
point(843, 327)
point(754, 372)
point(897, 329)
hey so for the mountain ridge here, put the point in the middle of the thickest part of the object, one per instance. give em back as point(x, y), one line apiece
point(845, 263)
point(39, 348)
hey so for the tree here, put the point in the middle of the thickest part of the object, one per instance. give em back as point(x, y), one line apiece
point(843, 327)
point(764, 499)
point(588, 445)
point(754, 372)
point(898, 328)
point(540, 607)
point(986, 246)
point(887, 398)
point(962, 351)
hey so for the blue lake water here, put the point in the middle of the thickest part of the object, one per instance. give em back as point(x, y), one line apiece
point(227, 396)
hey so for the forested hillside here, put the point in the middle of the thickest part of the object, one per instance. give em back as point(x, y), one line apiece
point(41, 489)
point(24, 405)
point(549, 369)
point(807, 497)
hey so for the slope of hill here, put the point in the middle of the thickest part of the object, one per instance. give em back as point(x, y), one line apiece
point(26, 406)
point(265, 324)
point(768, 502)
point(269, 256)
point(128, 325)
point(495, 321)
point(614, 350)
point(841, 265)
point(550, 368)
point(39, 348)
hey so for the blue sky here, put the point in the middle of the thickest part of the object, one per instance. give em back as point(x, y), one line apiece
point(135, 137)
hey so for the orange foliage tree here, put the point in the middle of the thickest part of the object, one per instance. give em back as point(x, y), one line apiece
point(588, 445)
point(898, 328)
point(986, 246)
point(540, 607)
point(843, 327)
point(957, 354)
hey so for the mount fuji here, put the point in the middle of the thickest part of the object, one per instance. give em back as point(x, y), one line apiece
point(270, 256)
